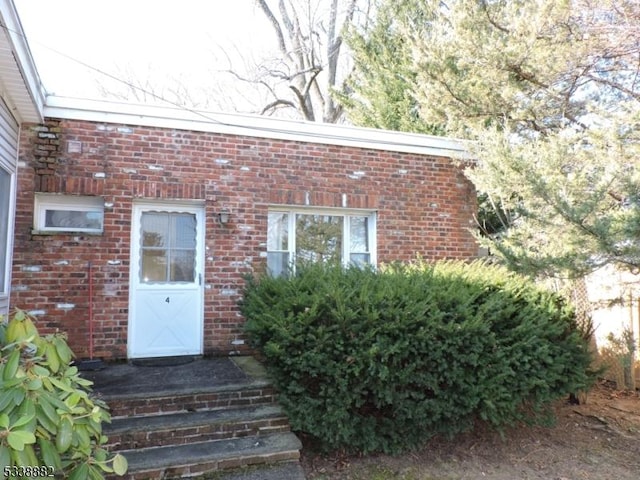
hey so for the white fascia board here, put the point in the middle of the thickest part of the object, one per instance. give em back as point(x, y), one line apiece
point(251, 125)
point(27, 99)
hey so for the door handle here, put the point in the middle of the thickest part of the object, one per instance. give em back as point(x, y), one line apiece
point(200, 279)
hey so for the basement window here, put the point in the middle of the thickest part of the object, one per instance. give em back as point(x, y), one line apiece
point(319, 235)
point(68, 213)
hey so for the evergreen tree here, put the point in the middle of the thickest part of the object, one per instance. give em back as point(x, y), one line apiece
point(548, 92)
point(379, 92)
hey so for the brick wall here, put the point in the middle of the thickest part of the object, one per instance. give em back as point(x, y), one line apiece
point(425, 207)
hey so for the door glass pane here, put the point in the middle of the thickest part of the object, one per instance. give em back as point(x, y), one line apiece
point(168, 250)
point(183, 266)
point(5, 192)
point(359, 236)
point(154, 265)
point(184, 231)
point(278, 231)
point(155, 227)
point(319, 237)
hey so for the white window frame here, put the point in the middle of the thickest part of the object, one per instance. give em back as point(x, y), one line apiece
point(7, 230)
point(346, 213)
point(47, 201)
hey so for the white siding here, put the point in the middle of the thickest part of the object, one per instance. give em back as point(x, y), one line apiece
point(9, 132)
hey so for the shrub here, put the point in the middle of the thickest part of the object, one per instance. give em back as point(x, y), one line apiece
point(48, 422)
point(382, 360)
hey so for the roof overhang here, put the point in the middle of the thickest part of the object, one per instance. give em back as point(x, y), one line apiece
point(20, 85)
point(251, 125)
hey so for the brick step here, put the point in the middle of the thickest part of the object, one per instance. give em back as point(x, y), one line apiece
point(179, 461)
point(186, 427)
point(249, 394)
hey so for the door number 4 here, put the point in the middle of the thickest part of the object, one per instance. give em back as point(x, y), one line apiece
point(167, 300)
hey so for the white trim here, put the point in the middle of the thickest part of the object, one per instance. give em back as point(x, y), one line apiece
point(9, 164)
point(139, 206)
point(251, 125)
point(362, 212)
point(22, 87)
point(346, 213)
point(48, 201)
point(6, 291)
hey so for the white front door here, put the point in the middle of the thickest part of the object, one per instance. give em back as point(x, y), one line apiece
point(166, 291)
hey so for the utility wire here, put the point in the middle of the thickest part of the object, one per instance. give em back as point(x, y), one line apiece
point(200, 113)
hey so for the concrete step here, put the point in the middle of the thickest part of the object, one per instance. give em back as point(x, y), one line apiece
point(186, 427)
point(281, 471)
point(190, 419)
point(248, 394)
point(193, 459)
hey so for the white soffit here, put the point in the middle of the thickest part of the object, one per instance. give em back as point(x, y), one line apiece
point(250, 125)
point(20, 84)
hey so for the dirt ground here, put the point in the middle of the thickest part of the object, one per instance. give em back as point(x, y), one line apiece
point(599, 440)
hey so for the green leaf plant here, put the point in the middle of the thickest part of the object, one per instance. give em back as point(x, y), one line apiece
point(48, 419)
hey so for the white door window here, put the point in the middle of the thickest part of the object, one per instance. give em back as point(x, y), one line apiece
point(166, 306)
point(168, 247)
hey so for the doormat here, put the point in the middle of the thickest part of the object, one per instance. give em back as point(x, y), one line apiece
point(162, 361)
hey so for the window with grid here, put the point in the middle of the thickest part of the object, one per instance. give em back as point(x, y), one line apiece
point(344, 236)
point(168, 247)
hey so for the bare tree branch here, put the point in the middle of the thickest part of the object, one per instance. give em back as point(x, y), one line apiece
point(277, 103)
point(302, 104)
point(309, 38)
point(274, 23)
point(306, 64)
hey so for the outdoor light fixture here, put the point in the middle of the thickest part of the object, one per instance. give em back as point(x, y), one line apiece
point(223, 215)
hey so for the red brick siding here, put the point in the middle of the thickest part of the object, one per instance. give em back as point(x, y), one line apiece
point(425, 207)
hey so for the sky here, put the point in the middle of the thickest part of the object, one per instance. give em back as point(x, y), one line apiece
point(158, 41)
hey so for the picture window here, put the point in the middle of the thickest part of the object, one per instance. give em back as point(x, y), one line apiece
point(324, 235)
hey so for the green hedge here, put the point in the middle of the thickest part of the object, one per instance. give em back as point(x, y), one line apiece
point(382, 360)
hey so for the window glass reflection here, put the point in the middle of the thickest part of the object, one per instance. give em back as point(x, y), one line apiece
point(278, 231)
point(168, 250)
point(319, 237)
point(73, 219)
